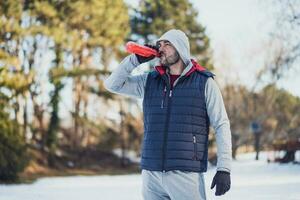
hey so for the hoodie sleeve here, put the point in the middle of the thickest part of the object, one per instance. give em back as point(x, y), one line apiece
point(121, 81)
point(219, 120)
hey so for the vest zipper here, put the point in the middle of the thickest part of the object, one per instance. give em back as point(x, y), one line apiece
point(195, 147)
point(163, 99)
point(169, 99)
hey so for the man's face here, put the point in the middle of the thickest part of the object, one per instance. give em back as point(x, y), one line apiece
point(169, 55)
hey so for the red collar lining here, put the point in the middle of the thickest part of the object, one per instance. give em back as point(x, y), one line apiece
point(161, 70)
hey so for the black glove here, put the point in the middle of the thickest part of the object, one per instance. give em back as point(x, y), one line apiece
point(222, 182)
point(143, 59)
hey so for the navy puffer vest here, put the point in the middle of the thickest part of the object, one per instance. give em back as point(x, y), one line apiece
point(176, 124)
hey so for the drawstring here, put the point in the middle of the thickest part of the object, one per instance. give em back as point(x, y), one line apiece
point(164, 95)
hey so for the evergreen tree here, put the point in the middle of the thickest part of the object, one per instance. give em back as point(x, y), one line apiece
point(13, 153)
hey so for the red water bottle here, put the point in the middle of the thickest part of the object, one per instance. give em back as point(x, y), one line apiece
point(132, 47)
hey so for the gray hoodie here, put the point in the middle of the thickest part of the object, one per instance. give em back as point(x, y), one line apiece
point(122, 82)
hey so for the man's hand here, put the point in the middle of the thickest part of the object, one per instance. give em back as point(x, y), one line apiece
point(143, 59)
point(222, 182)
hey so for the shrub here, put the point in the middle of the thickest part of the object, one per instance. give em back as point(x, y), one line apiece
point(13, 156)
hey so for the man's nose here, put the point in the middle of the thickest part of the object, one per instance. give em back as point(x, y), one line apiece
point(160, 49)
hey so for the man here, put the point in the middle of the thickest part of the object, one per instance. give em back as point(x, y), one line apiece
point(180, 101)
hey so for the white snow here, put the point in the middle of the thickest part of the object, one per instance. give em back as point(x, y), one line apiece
point(131, 155)
point(250, 180)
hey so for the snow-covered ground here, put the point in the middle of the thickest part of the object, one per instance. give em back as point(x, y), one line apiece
point(250, 180)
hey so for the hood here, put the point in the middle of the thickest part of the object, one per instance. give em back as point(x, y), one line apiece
point(181, 43)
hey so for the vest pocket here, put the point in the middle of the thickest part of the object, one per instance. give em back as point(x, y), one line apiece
point(195, 157)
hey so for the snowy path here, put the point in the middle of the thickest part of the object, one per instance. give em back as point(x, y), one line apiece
point(251, 180)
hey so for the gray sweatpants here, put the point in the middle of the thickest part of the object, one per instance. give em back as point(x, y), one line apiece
point(173, 185)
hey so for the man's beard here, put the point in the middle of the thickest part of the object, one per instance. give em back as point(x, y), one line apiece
point(170, 60)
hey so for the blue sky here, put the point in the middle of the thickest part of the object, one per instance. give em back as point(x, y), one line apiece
point(240, 31)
